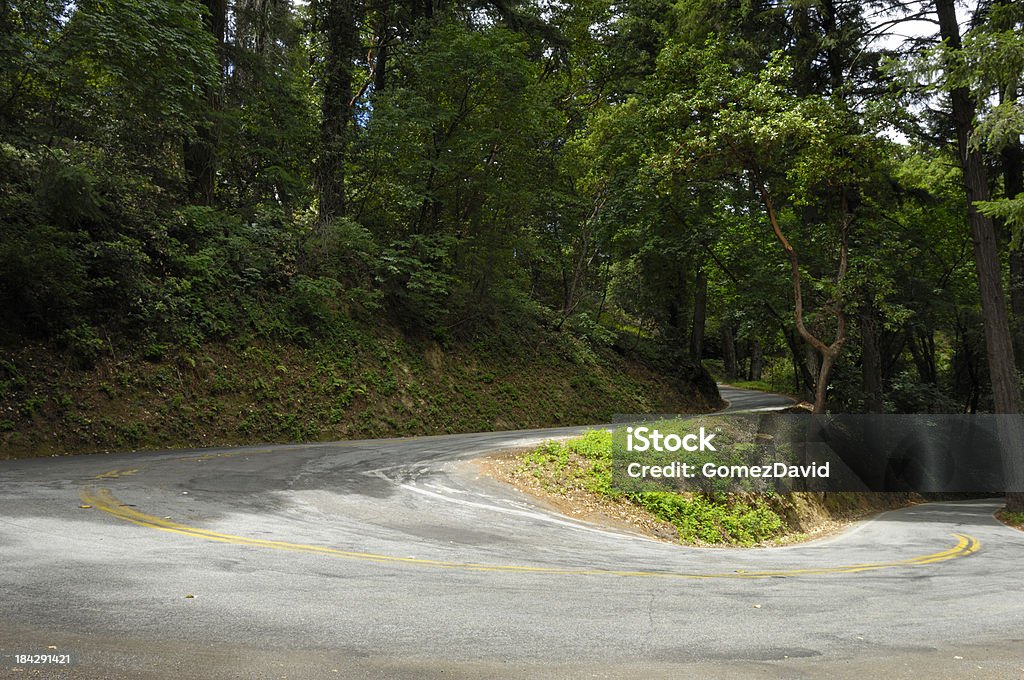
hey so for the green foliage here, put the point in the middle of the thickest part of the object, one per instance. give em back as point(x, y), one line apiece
point(586, 168)
point(268, 129)
point(458, 175)
point(311, 303)
point(1015, 519)
point(909, 395)
point(141, 66)
point(585, 463)
point(582, 462)
point(417, 278)
point(700, 519)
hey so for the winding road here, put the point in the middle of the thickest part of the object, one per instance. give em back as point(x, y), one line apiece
point(396, 559)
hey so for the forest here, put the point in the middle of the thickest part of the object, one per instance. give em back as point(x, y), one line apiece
point(819, 197)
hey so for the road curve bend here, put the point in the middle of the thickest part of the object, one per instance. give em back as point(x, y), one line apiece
point(394, 558)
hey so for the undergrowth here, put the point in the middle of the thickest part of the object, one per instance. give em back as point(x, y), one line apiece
point(586, 463)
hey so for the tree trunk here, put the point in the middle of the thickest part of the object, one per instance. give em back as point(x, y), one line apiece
point(965, 371)
point(383, 38)
point(1013, 185)
point(821, 387)
point(812, 360)
point(742, 357)
point(796, 375)
point(998, 341)
point(922, 349)
point(200, 156)
point(1017, 303)
point(1013, 181)
point(341, 40)
point(998, 344)
point(870, 359)
point(803, 377)
point(729, 352)
point(756, 360)
point(830, 352)
point(700, 298)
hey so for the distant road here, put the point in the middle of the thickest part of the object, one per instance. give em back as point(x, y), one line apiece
point(750, 400)
point(394, 559)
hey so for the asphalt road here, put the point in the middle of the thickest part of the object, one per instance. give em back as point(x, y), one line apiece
point(394, 559)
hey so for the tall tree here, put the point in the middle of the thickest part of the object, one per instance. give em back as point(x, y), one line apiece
point(998, 342)
point(338, 25)
point(750, 128)
point(201, 152)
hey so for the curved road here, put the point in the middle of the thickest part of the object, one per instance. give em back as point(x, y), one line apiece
point(394, 559)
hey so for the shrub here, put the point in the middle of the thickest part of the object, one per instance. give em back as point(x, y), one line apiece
point(585, 463)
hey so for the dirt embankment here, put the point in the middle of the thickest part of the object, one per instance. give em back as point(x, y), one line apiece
point(807, 516)
point(375, 383)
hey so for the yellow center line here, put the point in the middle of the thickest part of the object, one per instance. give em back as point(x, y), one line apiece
point(104, 500)
point(114, 474)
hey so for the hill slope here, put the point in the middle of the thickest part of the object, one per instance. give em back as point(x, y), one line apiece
point(369, 382)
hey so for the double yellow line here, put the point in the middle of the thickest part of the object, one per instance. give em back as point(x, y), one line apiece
point(104, 500)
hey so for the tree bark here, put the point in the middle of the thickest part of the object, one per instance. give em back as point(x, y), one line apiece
point(796, 375)
point(200, 156)
point(921, 343)
point(998, 343)
point(965, 370)
point(341, 40)
point(804, 378)
point(1017, 304)
point(700, 304)
point(729, 352)
point(831, 351)
point(998, 340)
point(812, 360)
point(870, 359)
point(383, 38)
point(756, 360)
point(1013, 183)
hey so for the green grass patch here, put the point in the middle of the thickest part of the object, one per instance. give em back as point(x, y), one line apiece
point(1013, 519)
point(776, 377)
point(760, 385)
point(585, 463)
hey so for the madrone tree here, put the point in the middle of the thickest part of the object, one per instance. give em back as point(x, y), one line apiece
point(806, 158)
